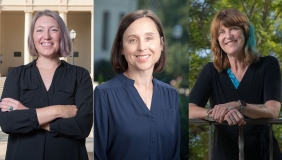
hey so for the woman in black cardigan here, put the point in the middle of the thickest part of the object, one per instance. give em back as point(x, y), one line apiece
point(47, 105)
point(239, 84)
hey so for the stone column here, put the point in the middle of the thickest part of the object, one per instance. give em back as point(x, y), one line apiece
point(1, 53)
point(63, 15)
point(28, 18)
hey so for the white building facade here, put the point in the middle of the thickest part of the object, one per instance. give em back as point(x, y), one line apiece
point(15, 19)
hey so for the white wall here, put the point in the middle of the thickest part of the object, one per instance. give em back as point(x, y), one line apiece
point(12, 28)
point(12, 40)
point(81, 23)
point(47, 2)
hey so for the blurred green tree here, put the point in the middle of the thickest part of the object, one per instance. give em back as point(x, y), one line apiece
point(265, 15)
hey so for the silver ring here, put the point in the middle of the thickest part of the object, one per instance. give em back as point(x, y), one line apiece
point(233, 119)
point(11, 108)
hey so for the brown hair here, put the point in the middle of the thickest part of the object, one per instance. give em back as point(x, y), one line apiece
point(117, 59)
point(227, 18)
point(65, 40)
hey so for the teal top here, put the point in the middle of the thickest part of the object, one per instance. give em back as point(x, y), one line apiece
point(234, 80)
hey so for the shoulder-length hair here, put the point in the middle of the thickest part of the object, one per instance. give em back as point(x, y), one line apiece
point(117, 59)
point(227, 18)
point(65, 40)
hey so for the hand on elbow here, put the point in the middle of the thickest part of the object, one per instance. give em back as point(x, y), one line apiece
point(275, 115)
point(219, 111)
point(45, 126)
point(67, 111)
point(10, 104)
point(234, 117)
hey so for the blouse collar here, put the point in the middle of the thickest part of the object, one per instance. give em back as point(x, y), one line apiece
point(33, 63)
point(124, 79)
point(129, 81)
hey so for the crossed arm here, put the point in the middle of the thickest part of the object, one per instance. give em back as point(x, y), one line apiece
point(64, 120)
point(44, 115)
point(230, 111)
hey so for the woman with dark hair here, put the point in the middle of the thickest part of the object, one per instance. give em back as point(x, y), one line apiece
point(240, 84)
point(47, 105)
point(135, 115)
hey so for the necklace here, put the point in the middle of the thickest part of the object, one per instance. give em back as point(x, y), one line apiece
point(144, 99)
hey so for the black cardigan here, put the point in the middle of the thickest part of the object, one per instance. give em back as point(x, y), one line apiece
point(261, 82)
point(71, 85)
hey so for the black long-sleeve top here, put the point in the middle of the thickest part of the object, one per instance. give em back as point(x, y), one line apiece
point(71, 85)
point(261, 83)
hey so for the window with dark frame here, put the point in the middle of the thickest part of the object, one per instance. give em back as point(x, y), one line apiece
point(17, 54)
point(75, 54)
point(105, 35)
point(121, 16)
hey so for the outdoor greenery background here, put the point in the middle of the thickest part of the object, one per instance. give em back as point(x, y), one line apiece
point(189, 53)
point(266, 17)
point(171, 13)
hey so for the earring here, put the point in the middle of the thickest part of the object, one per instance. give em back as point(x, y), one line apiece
point(221, 53)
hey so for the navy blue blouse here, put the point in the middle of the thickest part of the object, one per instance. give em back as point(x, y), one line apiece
point(124, 128)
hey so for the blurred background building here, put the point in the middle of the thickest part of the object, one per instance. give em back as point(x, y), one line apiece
point(107, 15)
point(15, 19)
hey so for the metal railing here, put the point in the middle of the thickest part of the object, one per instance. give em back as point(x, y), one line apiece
point(270, 122)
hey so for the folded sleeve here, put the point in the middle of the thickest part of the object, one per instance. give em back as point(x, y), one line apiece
point(18, 121)
point(202, 89)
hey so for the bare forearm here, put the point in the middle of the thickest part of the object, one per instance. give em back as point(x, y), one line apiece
point(50, 113)
point(196, 111)
point(47, 114)
point(270, 109)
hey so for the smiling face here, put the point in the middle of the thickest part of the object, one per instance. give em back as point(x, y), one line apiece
point(231, 40)
point(142, 45)
point(46, 37)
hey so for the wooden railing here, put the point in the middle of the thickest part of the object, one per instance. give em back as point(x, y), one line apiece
point(241, 132)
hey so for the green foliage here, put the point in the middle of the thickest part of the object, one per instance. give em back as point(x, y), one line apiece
point(100, 78)
point(196, 63)
point(198, 142)
point(265, 15)
point(177, 62)
point(103, 71)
